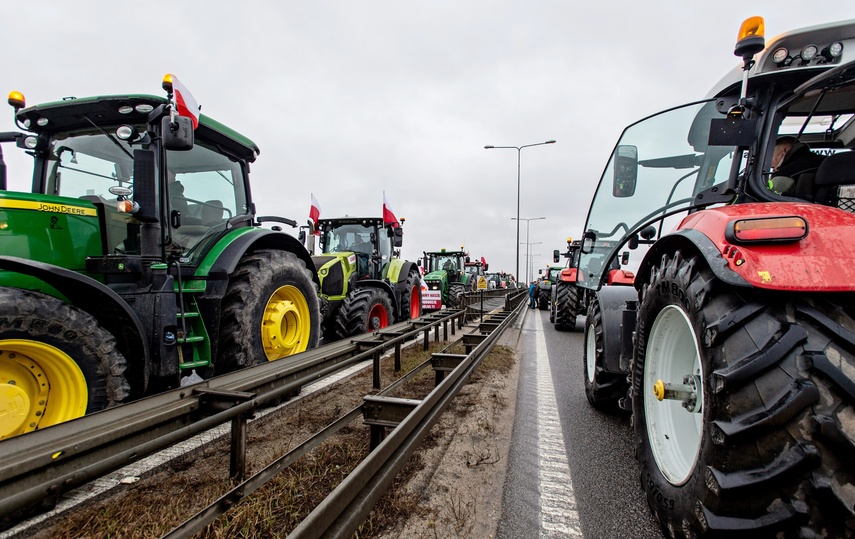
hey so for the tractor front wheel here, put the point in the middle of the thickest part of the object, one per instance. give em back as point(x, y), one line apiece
point(56, 363)
point(270, 311)
point(742, 404)
point(364, 309)
point(456, 293)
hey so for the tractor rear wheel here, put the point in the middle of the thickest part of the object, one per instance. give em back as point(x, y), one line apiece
point(364, 309)
point(567, 305)
point(411, 297)
point(456, 293)
point(270, 311)
point(743, 405)
point(56, 363)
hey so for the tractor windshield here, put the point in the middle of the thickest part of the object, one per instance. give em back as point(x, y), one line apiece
point(348, 238)
point(655, 171)
point(450, 263)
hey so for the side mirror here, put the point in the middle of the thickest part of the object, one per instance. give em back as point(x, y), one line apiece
point(556, 255)
point(624, 258)
point(486, 267)
point(178, 135)
point(467, 259)
point(540, 272)
point(398, 237)
point(625, 171)
point(588, 240)
point(301, 236)
point(633, 242)
point(419, 262)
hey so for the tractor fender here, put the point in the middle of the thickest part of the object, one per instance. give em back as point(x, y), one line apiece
point(693, 240)
point(567, 275)
point(617, 339)
point(224, 260)
point(404, 272)
point(818, 262)
point(382, 285)
point(106, 306)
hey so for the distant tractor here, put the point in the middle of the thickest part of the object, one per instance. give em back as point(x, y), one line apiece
point(365, 286)
point(545, 285)
point(452, 273)
point(569, 300)
point(136, 259)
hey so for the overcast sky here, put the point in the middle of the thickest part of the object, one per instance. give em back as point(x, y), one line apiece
point(347, 99)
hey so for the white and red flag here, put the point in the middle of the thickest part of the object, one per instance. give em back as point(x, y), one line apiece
point(314, 215)
point(388, 217)
point(185, 102)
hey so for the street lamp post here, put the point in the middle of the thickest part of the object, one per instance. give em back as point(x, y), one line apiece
point(529, 260)
point(519, 152)
point(528, 245)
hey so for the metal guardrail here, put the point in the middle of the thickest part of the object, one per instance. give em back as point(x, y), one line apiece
point(341, 513)
point(38, 467)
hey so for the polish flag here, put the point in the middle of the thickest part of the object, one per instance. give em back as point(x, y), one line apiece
point(315, 214)
point(388, 217)
point(185, 102)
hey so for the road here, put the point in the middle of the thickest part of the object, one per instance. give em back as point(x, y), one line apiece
point(571, 468)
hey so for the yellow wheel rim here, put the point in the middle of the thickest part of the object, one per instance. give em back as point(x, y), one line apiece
point(40, 386)
point(286, 326)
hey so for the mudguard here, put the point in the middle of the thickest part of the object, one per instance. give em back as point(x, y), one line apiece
point(568, 275)
point(820, 262)
point(224, 258)
point(382, 285)
point(613, 302)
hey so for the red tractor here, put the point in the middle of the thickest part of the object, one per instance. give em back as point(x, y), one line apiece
point(735, 350)
point(569, 300)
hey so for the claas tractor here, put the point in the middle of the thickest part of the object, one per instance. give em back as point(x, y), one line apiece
point(136, 259)
point(734, 352)
point(365, 285)
point(452, 273)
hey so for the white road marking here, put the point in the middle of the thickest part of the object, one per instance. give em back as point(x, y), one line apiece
point(558, 515)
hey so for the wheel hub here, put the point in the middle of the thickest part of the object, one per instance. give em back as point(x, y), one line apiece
point(687, 392)
point(14, 407)
point(285, 326)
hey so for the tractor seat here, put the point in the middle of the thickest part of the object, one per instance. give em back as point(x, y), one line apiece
point(835, 172)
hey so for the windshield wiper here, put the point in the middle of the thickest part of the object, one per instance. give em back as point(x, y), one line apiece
point(109, 136)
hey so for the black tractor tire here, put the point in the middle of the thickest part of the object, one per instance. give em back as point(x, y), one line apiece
point(263, 285)
point(543, 300)
point(364, 309)
point(769, 454)
point(456, 292)
point(603, 389)
point(46, 345)
point(412, 288)
point(567, 305)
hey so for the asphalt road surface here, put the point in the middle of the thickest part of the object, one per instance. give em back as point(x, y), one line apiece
point(571, 468)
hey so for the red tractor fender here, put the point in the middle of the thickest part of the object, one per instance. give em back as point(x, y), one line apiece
point(567, 275)
point(621, 277)
point(819, 262)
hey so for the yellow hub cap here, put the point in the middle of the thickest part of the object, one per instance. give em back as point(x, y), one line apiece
point(40, 385)
point(286, 326)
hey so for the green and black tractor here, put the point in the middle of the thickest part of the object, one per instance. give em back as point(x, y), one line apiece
point(365, 285)
point(452, 273)
point(136, 258)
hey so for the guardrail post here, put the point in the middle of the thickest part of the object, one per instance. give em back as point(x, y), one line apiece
point(376, 380)
point(427, 338)
point(445, 330)
point(237, 461)
point(398, 356)
point(376, 434)
point(436, 333)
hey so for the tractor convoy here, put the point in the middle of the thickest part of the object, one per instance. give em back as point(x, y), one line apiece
point(735, 349)
point(452, 273)
point(137, 259)
point(365, 285)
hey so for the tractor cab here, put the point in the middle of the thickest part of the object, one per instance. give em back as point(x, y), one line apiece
point(369, 240)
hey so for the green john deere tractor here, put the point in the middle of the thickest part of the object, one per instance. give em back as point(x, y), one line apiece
point(365, 286)
point(136, 259)
point(452, 273)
